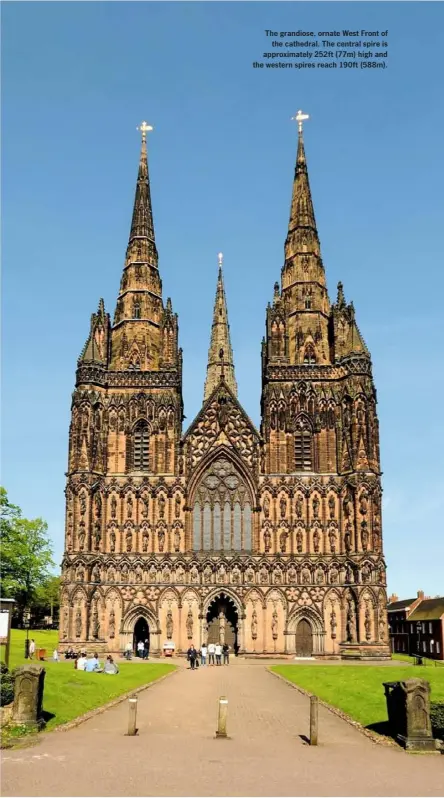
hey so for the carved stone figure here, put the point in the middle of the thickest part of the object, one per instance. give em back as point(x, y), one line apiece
point(236, 576)
point(283, 506)
point(161, 538)
point(190, 624)
point(299, 507)
point(207, 574)
point(274, 625)
point(95, 623)
point(299, 539)
point(152, 574)
point(365, 573)
point(80, 574)
point(333, 623)
point(166, 574)
point(367, 624)
point(78, 623)
point(292, 574)
point(266, 506)
point(177, 505)
point(129, 506)
point(349, 578)
point(381, 629)
point(112, 624)
point(263, 575)
point(145, 505)
point(129, 541)
point(161, 505)
point(332, 539)
point(221, 628)
point(334, 575)
point(347, 539)
point(331, 506)
point(249, 574)
point(351, 623)
point(111, 576)
point(139, 574)
point(95, 574)
point(65, 623)
point(97, 505)
point(364, 536)
point(316, 504)
point(267, 540)
point(319, 576)
point(194, 575)
point(145, 540)
point(254, 625)
point(81, 540)
point(277, 576)
point(180, 574)
point(82, 502)
point(363, 504)
point(283, 541)
point(316, 539)
point(124, 573)
point(305, 576)
point(169, 625)
point(347, 505)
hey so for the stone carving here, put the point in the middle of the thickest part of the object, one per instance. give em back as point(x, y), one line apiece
point(95, 623)
point(274, 625)
point(305, 576)
point(177, 505)
point(129, 541)
point(332, 539)
point(408, 705)
point(316, 504)
point(263, 575)
point(334, 575)
point(221, 628)
point(112, 624)
point(29, 683)
point(161, 539)
point(267, 540)
point(81, 539)
point(333, 623)
point(95, 574)
point(236, 576)
point(161, 505)
point(145, 541)
point(189, 625)
point(283, 541)
point(292, 574)
point(176, 539)
point(347, 539)
point(113, 507)
point(249, 574)
point(367, 624)
point(319, 576)
point(316, 540)
point(331, 506)
point(112, 542)
point(180, 574)
point(139, 574)
point(347, 505)
point(363, 504)
point(207, 574)
point(152, 573)
point(365, 574)
point(299, 507)
point(80, 574)
point(277, 576)
point(194, 575)
point(82, 502)
point(129, 506)
point(266, 506)
point(283, 506)
point(351, 623)
point(169, 625)
point(364, 536)
point(254, 625)
point(166, 574)
point(78, 623)
point(145, 505)
point(299, 539)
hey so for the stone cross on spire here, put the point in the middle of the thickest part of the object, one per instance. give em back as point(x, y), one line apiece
point(144, 128)
point(300, 119)
point(220, 354)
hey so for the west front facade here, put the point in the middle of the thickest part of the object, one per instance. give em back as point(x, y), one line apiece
point(268, 539)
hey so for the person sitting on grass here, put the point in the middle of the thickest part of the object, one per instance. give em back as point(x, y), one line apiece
point(55, 656)
point(92, 664)
point(110, 666)
point(80, 663)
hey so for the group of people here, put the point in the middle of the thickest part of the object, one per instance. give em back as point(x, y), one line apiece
point(91, 663)
point(214, 652)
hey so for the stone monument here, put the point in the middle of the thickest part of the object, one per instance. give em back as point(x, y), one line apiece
point(408, 706)
point(28, 695)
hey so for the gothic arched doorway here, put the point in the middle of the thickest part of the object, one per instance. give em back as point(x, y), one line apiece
point(304, 639)
point(223, 622)
point(141, 632)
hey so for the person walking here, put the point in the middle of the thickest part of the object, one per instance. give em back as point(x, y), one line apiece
point(140, 647)
point(218, 652)
point(226, 653)
point(211, 652)
point(146, 649)
point(31, 650)
point(203, 654)
point(192, 656)
point(128, 650)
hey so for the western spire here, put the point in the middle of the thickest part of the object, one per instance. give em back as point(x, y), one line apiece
point(302, 232)
point(142, 225)
point(220, 354)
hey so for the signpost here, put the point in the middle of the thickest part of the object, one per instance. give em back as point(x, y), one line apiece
point(6, 606)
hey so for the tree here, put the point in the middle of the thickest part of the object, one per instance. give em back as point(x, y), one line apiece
point(26, 554)
point(46, 601)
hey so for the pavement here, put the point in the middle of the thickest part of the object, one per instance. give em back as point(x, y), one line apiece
point(175, 752)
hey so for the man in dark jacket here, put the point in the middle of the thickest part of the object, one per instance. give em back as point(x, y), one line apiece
point(192, 656)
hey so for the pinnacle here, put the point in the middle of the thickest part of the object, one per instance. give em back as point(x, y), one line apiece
point(220, 354)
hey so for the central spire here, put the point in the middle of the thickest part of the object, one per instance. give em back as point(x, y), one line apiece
point(302, 232)
point(220, 354)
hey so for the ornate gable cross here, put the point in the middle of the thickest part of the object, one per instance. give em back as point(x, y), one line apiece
point(300, 118)
point(144, 128)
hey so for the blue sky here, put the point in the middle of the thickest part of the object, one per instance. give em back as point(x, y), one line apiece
point(79, 77)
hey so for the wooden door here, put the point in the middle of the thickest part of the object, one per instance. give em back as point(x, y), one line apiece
point(304, 639)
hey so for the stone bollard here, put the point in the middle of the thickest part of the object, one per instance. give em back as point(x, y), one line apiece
point(314, 720)
point(29, 683)
point(408, 707)
point(132, 717)
point(222, 717)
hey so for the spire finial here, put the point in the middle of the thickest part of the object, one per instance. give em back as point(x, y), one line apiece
point(300, 119)
point(144, 128)
point(220, 259)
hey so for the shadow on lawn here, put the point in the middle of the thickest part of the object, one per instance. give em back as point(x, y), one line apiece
point(382, 727)
point(47, 716)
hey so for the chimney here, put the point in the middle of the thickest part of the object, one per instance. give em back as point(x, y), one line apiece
point(393, 598)
point(420, 594)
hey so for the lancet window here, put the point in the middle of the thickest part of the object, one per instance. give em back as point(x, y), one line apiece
point(303, 446)
point(141, 446)
point(222, 516)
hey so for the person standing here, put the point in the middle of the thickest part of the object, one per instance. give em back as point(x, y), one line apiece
point(203, 654)
point(218, 652)
point(140, 648)
point(211, 652)
point(192, 656)
point(226, 653)
point(146, 649)
point(128, 650)
point(31, 650)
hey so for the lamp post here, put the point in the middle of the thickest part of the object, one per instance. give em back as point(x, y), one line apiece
point(26, 619)
point(418, 629)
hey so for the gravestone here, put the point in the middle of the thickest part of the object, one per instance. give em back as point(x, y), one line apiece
point(28, 695)
point(408, 706)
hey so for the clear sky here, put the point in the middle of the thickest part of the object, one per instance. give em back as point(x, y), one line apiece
point(79, 77)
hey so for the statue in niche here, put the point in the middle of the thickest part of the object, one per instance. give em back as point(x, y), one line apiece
point(367, 624)
point(266, 506)
point(139, 575)
point(283, 541)
point(95, 623)
point(331, 506)
point(267, 540)
point(65, 623)
point(190, 624)
point(254, 625)
point(316, 539)
point(351, 623)
point(111, 575)
point(161, 505)
point(365, 573)
point(316, 504)
point(277, 576)
point(349, 578)
point(347, 505)
point(161, 538)
point(334, 575)
point(80, 574)
point(381, 629)
point(262, 459)
point(145, 505)
point(180, 574)
point(263, 575)
point(177, 505)
point(364, 536)
point(176, 539)
point(207, 574)
point(299, 539)
point(129, 506)
point(319, 576)
point(332, 539)
point(153, 573)
point(299, 507)
point(78, 623)
point(129, 541)
point(112, 542)
point(113, 507)
point(112, 624)
point(249, 574)
point(292, 575)
point(82, 502)
point(333, 622)
point(98, 505)
point(363, 504)
point(236, 576)
point(274, 625)
point(347, 539)
point(166, 574)
point(376, 535)
point(194, 575)
point(305, 576)
point(95, 575)
point(181, 464)
point(82, 539)
point(346, 415)
point(222, 574)
point(97, 536)
point(283, 506)
point(169, 625)
point(221, 628)
point(145, 541)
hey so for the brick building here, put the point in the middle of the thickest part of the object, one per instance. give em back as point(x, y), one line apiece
point(416, 626)
point(269, 539)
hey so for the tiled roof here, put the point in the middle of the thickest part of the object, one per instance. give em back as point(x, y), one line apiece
point(428, 610)
point(400, 605)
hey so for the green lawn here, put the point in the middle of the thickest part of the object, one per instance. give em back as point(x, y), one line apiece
point(357, 690)
point(70, 693)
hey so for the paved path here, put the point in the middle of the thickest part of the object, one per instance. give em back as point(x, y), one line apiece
point(176, 753)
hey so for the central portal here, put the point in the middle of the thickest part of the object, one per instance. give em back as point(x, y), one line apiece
point(222, 622)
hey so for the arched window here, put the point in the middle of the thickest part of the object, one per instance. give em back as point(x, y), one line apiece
point(141, 447)
point(303, 446)
point(309, 355)
point(222, 516)
point(136, 309)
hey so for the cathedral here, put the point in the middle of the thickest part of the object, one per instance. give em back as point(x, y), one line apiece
point(268, 539)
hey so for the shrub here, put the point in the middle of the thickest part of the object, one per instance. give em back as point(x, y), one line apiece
point(437, 718)
point(6, 686)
